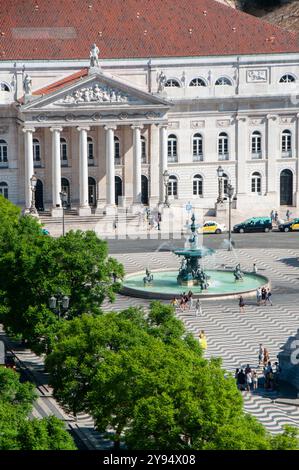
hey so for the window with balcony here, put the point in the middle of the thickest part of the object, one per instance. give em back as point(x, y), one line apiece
point(197, 148)
point(198, 186)
point(256, 145)
point(256, 183)
point(173, 186)
point(172, 145)
point(223, 153)
point(3, 153)
point(286, 144)
point(63, 151)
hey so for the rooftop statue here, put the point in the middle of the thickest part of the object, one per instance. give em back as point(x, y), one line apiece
point(27, 84)
point(94, 56)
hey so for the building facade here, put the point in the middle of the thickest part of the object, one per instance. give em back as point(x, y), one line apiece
point(104, 128)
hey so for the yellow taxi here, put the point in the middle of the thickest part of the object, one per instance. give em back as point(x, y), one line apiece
point(295, 225)
point(211, 226)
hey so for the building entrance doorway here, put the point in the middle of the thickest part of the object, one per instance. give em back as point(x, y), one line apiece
point(65, 188)
point(92, 192)
point(286, 188)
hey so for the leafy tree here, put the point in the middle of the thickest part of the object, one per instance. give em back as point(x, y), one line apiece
point(288, 440)
point(17, 432)
point(34, 266)
point(145, 377)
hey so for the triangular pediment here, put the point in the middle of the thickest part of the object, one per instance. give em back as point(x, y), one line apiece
point(97, 90)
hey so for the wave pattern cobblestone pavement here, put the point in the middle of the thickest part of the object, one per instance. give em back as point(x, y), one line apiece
point(233, 336)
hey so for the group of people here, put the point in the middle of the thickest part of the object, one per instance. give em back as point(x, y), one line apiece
point(246, 379)
point(186, 301)
point(274, 216)
point(153, 220)
point(263, 296)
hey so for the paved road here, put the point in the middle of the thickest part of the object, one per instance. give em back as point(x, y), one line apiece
point(248, 240)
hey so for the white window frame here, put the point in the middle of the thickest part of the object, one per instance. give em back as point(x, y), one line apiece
point(5, 87)
point(3, 153)
point(197, 147)
point(286, 143)
point(172, 148)
point(172, 188)
point(4, 189)
point(197, 82)
point(256, 145)
point(90, 150)
point(117, 154)
point(223, 146)
point(286, 78)
point(63, 145)
point(172, 83)
point(223, 81)
point(197, 186)
point(143, 149)
point(256, 181)
point(36, 149)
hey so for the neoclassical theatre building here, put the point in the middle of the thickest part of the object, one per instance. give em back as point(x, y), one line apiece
point(99, 98)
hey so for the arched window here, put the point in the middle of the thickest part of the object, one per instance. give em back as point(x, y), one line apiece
point(288, 78)
point(286, 144)
point(197, 186)
point(4, 189)
point(256, 145)
point(256, 183)
point(223, 81)
point(3, 152)
point(225, 181)
point(143, 149)
point(197, 148)
point(36, 151)
point(90, 149)
point(173, 186)
point(172, 148)
point(4, 87)
point(172, 83)
point(197, 82)
point(63, 151)
point(223, 146)
point(117, 150)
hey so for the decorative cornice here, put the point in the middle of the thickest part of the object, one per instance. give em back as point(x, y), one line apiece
point(28, 129)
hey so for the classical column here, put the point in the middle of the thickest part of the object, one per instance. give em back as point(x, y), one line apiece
point(110, 166)
point(241, 157)
point(272, 155)
point(163, 159)
point(56, 170)
point(29, 169)
point(137, 164)
point(84, 208)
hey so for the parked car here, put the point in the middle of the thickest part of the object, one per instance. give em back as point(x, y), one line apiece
point(254, 224)
point(289, 226)
point(211, 226)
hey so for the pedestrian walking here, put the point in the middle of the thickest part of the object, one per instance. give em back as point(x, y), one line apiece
point(266, 358)
point(190, 299)
point(258, 296)
point(254, 268)
point(276, 216)
point(261, 353)
point(241, 380)
point(248, 381)
point(255, 380)
point(264, 295)
point(272, 216)
point(203, 340)
point(269, 297)
point(198, 308)
point(288, 214)
point(241, 304)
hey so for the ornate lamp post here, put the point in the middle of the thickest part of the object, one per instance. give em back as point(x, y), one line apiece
point(63, 198)
point(166, 181)
point(230, 194)
point(220, 173)
point(33, 183)
point(59, 304)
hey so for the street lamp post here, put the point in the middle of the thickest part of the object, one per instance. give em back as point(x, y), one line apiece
point(59, 303)
point(63, 198)
point(230, 193)
point(220, 173)
point(166, 181)
point(33, 183)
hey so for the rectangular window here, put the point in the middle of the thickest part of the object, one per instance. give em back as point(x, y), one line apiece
point(90, 151)
point(3, 154)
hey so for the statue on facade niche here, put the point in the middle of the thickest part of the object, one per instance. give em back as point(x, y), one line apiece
point(94, 56)
point(162, 79)
point(27, 84)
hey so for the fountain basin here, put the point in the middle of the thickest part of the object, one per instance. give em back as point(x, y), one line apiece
point(165, 286)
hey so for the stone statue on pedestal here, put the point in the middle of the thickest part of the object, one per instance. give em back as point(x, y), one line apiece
point(94, 56)
point(162, 79)
point(27, 84)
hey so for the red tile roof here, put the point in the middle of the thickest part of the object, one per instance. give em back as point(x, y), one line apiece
point(61, 83)
point(65, 29)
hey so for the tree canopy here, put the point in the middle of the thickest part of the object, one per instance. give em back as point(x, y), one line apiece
point(146, 378)
point(17, 432)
